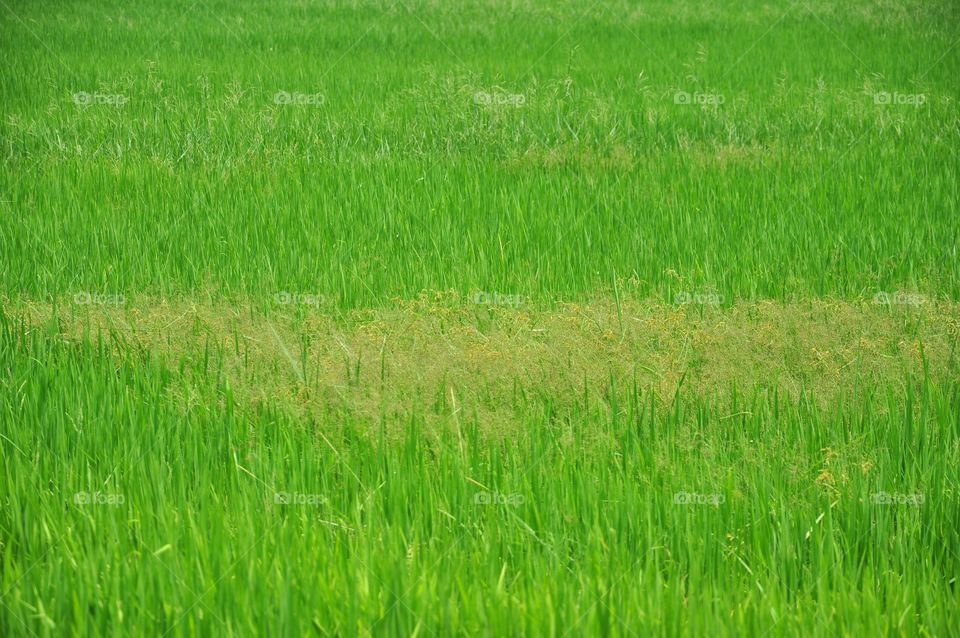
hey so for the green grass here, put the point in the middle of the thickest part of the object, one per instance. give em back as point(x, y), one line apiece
point(392, 536)
point(799, 183)
point(604, 175)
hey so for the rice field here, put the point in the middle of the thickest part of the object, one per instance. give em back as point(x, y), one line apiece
point(372, 318)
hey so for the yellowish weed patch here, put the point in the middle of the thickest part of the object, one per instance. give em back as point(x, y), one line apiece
point(462, 359)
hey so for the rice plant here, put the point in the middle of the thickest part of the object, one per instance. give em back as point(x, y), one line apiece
point(357, 317)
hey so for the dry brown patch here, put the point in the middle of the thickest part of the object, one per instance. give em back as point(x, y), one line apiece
point(457, 360)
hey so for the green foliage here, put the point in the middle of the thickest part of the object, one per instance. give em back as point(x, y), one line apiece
point(365, 150)
point(359, 151)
